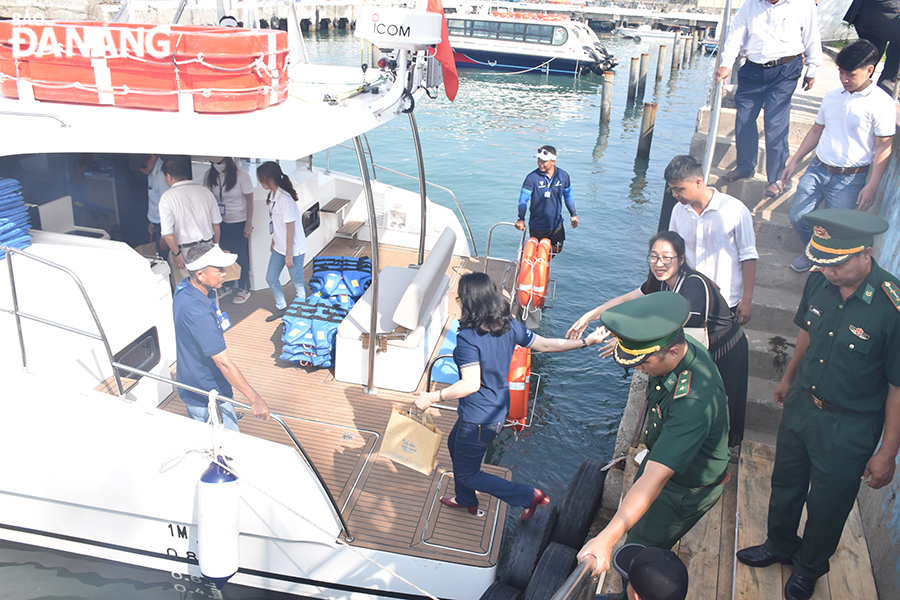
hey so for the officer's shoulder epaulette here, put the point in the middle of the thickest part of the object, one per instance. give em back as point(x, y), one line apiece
point(892, 293)
point(684, 385)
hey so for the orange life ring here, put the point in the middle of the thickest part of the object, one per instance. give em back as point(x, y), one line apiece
point(519, 386)
point(541, 275)
point(525, 271)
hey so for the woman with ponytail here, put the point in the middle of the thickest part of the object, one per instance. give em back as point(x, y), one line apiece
point(288, 239)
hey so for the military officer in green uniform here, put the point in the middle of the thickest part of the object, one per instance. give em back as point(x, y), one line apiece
point(687, 432)
point(840, 393)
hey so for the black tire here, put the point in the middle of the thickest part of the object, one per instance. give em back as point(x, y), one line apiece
point(580, 504)
point(501, 591)
point(530, 538)
point(556, 564)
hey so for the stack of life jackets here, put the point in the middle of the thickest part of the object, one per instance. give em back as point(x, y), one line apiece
point(310, 325)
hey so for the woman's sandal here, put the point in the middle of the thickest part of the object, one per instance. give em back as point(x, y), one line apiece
point(538, 499)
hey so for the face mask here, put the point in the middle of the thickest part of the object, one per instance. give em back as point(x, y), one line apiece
point(220, 167)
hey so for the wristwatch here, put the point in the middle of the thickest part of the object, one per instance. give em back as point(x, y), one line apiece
point(584, 343)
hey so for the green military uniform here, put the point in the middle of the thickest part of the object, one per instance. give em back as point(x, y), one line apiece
point(687, 429)
point(834, 412)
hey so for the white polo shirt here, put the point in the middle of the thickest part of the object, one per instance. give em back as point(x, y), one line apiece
point(283, 210)
point(717, 241)
point(852, 122)
point(188, 210)
point(763, 31)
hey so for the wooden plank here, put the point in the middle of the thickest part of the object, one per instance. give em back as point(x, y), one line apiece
point(335, 205)
point(349, 229)
point(754, 487)
point(725, 587)
point(851, 577)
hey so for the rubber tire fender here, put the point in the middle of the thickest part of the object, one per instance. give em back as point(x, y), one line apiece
point(580, 504)
point(557, 563)
point(530, 538)
point(501, 591)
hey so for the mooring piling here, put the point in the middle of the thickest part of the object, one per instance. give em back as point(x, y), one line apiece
point(676, 52)
point(606, 96)
point(695, 40)
point(632, 79)
point(648, 119)
point(661, 63)
point(642, 74)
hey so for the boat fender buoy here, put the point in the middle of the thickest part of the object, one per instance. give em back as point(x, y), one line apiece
point(525, 271)
point(541, 274)
point(218, 524)
point(519, 380)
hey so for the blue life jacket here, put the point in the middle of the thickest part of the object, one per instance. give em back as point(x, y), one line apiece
point(341, 275)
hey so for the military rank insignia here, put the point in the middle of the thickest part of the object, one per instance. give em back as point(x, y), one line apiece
point(684, 385)
point(891, 290)
point(858, 332)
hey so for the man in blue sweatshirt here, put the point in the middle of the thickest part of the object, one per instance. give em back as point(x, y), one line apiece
point(547, 187)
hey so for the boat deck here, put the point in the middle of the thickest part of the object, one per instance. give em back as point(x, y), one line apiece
point(738, 520)
point(386, 506)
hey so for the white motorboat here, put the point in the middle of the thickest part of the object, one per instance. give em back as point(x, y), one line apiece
point(525, 41)
point(101, 460)
point(646, 33)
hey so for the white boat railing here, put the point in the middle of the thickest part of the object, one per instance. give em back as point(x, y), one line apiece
point(117, 366)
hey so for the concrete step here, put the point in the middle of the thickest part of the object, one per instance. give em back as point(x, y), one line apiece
point(763, 414)
point(774, 307)
point(774, 230)
point(769, 353)
point(773, 269)
point(799, 125)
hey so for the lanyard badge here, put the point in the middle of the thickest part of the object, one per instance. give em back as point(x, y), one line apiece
point(224, 321)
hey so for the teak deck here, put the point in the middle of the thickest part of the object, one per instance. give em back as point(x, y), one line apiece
point(386, 506)
point(738, 520)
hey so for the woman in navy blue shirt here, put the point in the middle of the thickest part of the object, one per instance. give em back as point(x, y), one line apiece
point(484, 348)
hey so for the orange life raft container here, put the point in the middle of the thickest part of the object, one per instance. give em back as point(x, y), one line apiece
point(519, 380)
point(534, 273)
point(141, 65)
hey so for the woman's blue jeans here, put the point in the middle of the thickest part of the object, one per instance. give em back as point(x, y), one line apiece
point(468, 443)
point(273, 274)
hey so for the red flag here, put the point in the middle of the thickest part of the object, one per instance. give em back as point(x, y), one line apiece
point(444, 53)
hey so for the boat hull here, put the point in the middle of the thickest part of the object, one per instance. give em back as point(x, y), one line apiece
point(505, 61)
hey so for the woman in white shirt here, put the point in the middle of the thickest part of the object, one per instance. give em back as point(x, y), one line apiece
point(233, 190)
point(288, 239)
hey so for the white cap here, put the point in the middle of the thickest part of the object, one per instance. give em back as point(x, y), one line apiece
point(215, 257)
point(545, 154)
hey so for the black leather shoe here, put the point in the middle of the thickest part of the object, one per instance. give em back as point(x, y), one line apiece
point(799, 587)
point(758, 556)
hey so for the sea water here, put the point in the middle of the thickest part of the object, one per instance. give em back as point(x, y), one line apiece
point(482, 146)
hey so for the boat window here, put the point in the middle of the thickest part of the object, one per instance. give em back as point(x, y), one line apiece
point(458, 27)
point(539, 34)
point(484, 29)
point(512, 31)
point(310, 219)
point(43, 176)
point(560, 35)
point(142, 353)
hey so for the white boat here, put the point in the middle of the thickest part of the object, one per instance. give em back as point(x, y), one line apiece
point(101, 460)
point(646, 33)
point(524, 41)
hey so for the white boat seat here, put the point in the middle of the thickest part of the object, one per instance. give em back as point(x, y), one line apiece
point(412, 309)
point(59, 216)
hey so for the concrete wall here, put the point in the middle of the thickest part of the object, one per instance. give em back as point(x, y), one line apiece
point(880, 509)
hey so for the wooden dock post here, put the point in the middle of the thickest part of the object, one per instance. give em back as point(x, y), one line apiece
point(632, 79)
point(695, 39)
point(676, 52)
point(648, 119)
point(642, 74)
point(661, 63)
point(606, 96)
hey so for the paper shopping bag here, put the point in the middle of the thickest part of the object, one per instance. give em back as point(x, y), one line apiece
point(412, 442)
point(232, 272)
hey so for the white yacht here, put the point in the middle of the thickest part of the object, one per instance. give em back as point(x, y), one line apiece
point(101, 460)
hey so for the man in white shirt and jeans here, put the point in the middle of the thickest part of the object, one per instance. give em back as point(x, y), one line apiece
point(852, 137)
point(718, 234)
point(188, 214)
point(773, 35)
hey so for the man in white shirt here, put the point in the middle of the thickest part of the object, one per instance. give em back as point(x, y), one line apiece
point(852, 137)
point(188, 214)
point(156, 185)
point(772, 34)
point(718, 234)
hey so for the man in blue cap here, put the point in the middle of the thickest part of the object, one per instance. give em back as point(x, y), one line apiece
point(682, 477)
point(841, 394)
